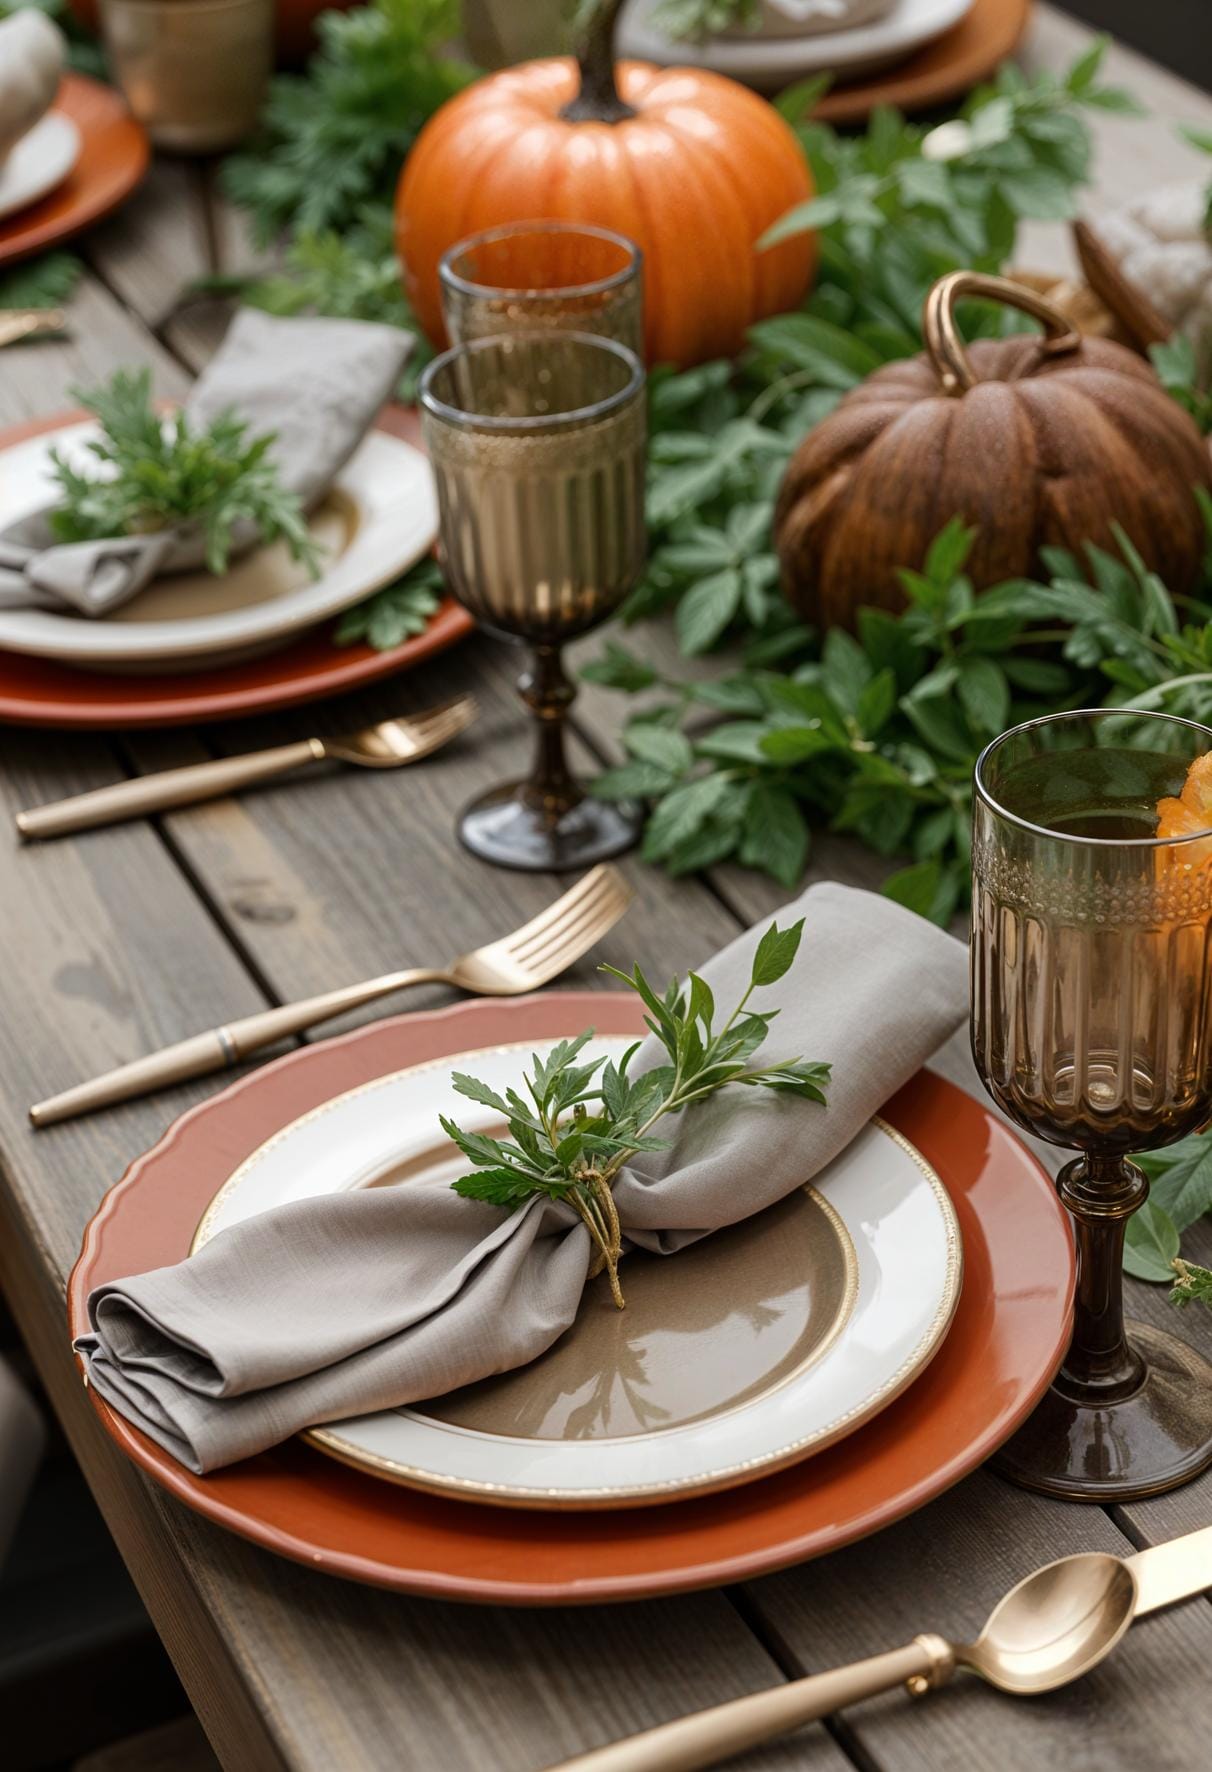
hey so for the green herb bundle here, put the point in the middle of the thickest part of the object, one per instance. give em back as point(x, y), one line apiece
point(580, 1123)
point(335, 137)
point(697, 20)
point(874, 733)
point(162, 472)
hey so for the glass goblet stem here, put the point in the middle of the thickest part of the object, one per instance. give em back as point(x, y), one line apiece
point(552, 789)
point(1101, 1193)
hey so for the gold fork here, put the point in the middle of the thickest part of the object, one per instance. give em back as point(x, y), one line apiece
point(518, 963)
point(19, 323)
point(389, 745)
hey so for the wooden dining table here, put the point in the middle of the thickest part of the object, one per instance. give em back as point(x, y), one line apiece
point(117, 942)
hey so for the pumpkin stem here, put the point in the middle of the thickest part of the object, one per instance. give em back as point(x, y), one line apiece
point(598, 99)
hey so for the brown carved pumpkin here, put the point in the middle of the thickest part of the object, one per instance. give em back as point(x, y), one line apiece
point(691, 166)
point(1035, 441)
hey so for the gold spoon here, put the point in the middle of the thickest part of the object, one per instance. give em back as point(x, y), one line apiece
point(1050, 1629)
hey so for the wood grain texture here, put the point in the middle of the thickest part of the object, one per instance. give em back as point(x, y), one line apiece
point(119, 941)
point(943, 1570)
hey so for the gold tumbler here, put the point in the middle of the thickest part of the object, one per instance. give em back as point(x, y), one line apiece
point(194, 72)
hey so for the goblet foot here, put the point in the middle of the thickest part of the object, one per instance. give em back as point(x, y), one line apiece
point(1086, 1449)
point(505, 827)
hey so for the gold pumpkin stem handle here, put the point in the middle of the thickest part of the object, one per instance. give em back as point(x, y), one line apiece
point(598, 99)
point(942, 334)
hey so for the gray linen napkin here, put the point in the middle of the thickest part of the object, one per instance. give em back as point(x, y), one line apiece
point(369, 1300)
point(317, 384)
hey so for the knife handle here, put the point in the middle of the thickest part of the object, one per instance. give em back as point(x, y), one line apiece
point(714, 1735)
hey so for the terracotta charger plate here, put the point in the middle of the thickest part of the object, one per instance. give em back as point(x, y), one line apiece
point(1006, 1341)
point(944, 69)
point(43, 692)
point(114, 155)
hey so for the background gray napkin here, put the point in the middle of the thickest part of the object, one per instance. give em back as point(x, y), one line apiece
point(369, 1300)
point(317, 384)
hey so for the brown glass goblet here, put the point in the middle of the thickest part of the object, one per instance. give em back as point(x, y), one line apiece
point(525, 276)
point(537, 441)
point(1092, 1028)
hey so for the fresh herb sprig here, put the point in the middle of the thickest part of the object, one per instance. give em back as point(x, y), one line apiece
point(335, 137)
point(698, 20)
point(1192, 1283)
point(46, 282)
point(580, 1123)
point(162, 471)
point(876, 733)
point(395, 614)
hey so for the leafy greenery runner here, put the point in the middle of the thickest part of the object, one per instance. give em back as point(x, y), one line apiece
point(874, 734)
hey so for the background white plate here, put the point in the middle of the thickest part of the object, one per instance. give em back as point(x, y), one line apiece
point(769, 63)
point(42, 159)
point(382, 505)
point(894, 1211)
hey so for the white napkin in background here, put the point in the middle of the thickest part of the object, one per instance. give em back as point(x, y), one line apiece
point(317, 384)
point(32, 54)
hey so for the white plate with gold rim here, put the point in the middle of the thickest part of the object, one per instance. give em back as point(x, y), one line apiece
point(38, 162)
point(771, 62)
point(379, 518)
point(744, 1353)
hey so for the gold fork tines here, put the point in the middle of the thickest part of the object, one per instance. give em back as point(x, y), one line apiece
point(523, 961)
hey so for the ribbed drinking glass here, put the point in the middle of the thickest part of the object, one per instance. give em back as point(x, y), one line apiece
point(537, 441)
point(1092, 1028)
point(529, 275)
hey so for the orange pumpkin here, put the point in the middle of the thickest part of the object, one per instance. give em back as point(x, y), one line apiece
point(691, 166)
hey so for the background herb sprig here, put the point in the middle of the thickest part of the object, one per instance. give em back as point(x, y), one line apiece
point(162, 471)
point(578, 1124)
point(334, 138)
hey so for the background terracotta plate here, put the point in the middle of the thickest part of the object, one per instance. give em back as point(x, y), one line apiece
point(943, 70)
point(114, 155)
point(40, 692)
point(1006, 1341)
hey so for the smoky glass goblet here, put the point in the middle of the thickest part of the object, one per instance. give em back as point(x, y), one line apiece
point(1092, 1028)
point(537, 441)
point(529, 275)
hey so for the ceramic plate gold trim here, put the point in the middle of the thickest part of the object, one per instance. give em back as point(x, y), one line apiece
point(757, 1346)
point(379, 518)
point(39, 162)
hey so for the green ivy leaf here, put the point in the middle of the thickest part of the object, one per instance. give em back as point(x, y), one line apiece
point(776, 953)
point(1150, 1244)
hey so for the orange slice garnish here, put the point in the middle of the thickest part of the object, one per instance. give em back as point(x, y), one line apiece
point(1187, 816)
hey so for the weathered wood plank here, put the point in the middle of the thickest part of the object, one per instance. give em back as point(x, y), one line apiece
point(346, 873)
point(37, 377)
point(943, 1570)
